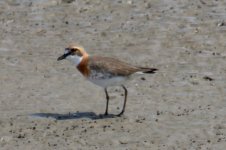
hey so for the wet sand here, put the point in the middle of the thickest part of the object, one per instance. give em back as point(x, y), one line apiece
point(45, 104)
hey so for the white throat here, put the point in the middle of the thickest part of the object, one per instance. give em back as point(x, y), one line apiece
point(74, 59)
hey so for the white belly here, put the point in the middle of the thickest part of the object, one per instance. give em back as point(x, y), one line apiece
point(114, 81)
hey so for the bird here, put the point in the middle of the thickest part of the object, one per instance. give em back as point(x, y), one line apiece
point(103, 71)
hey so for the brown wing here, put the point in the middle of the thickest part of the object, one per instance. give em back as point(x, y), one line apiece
point(111, 65)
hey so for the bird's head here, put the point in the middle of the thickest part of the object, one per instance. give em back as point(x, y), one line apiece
point(74, 54)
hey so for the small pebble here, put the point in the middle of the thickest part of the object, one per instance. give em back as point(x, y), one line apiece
point(208, 78)
point(143, 78)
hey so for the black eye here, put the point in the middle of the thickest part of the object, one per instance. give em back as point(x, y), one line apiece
point(72, 53)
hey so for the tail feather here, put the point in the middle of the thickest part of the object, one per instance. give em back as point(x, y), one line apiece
point(149, 70)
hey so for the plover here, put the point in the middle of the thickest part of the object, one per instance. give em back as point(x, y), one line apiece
point(103, 71)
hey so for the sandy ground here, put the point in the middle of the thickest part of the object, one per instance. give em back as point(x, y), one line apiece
point(182, 107)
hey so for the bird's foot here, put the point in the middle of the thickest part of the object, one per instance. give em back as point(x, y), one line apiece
point(120, 114)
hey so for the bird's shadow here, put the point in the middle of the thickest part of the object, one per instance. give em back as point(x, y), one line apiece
point(76, 115)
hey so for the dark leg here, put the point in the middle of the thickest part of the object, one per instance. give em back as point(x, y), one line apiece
point(124, 105)
point(107, 98)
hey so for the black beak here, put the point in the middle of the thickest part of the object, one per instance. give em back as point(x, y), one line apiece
point(63, 56)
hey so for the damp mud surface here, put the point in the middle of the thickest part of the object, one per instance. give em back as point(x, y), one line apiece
point(46, 104)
